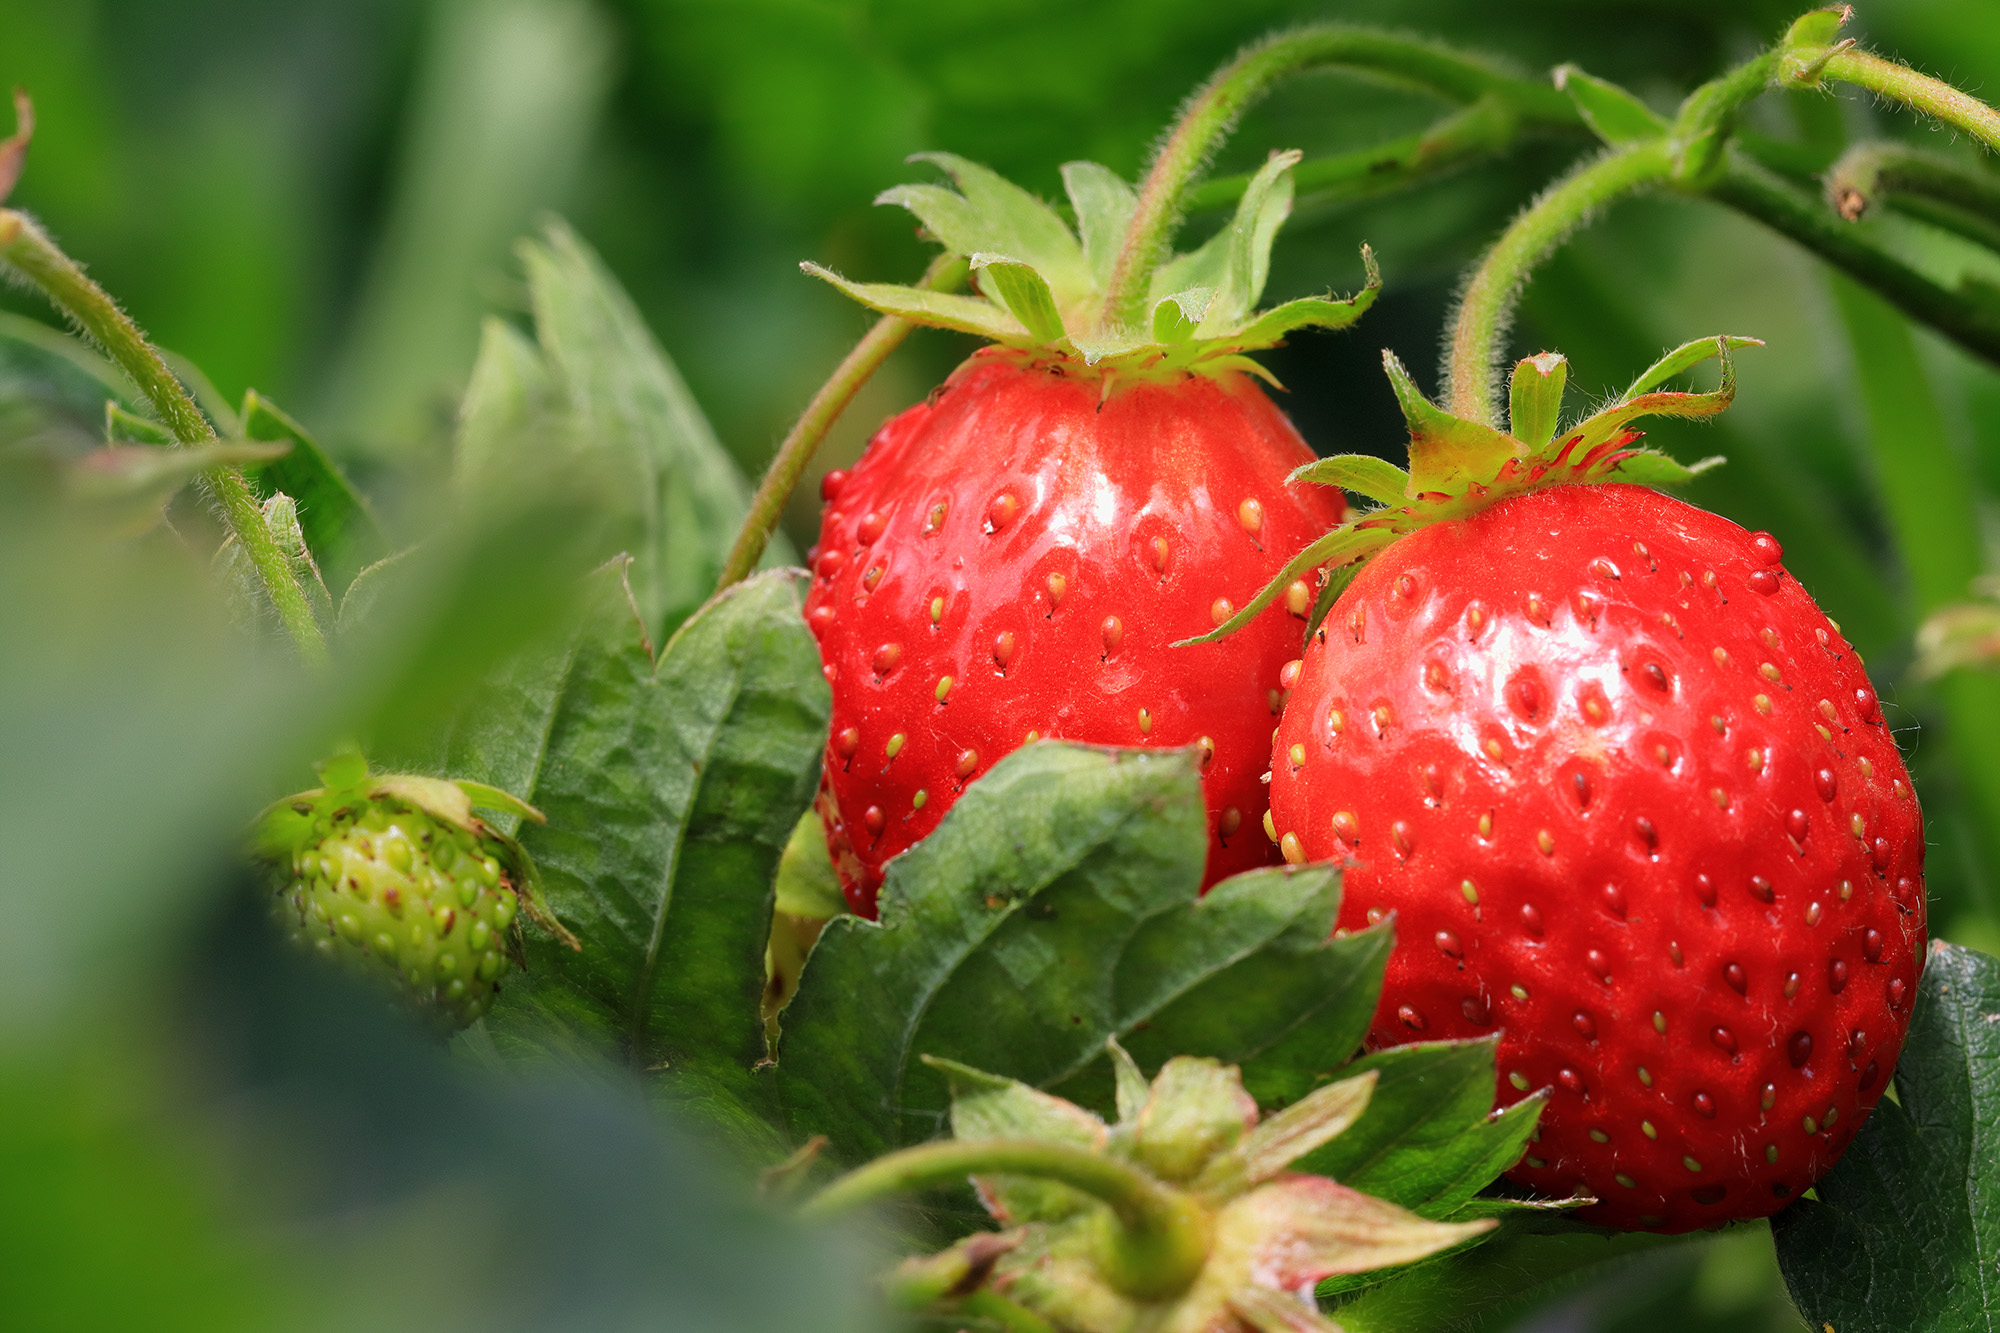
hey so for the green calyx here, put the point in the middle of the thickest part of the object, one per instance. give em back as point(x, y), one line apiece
point(1039, 286)
point(396, 874)
point(1459, 467)
point(1183, 1214)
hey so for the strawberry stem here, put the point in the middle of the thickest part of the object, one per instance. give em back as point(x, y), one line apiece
point(1924, 185)
point(1162, 1235)
point(1487, 127)
point(25, 246)
point(1919, 92)
point(1208, 116)
point(796, 452)
point(1486, 309)
point(1805, 219)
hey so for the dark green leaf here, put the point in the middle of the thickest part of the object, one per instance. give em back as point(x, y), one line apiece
point(669, 797)
point(999, 935)
point(339, 527)
point(1055, 907)
point(626, 407)
point(1249, 973)
point(1429, 1140)
point(1905, 1235)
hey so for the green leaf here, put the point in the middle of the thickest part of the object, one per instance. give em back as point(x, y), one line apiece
point(506, 405)
point(997, 941)
point(1430, 1139)
point(1905, 1235)
point(1103, 203)
point(808, 885)
point(1534, 398)
point(1055, 907)
point(1252, 974)
point(338, 525)
point(624, 403)
point(942, 310)
point(1024, 293)
point(1246, 253)
point(669, 796)
point(1614, 115)
point(1363, 474)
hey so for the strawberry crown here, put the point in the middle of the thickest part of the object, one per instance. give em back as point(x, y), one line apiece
point(1040, 285)
point(1459, 467)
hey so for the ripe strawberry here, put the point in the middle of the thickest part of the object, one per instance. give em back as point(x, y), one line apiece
point(1011, 559)
point(1636, 808)
point(396, 875)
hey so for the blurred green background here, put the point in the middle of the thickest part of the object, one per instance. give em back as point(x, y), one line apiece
point(318, 199)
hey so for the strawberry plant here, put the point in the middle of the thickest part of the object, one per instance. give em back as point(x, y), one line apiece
point(1136, 875)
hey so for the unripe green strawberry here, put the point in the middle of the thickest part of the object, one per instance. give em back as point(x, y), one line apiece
point(397, 876)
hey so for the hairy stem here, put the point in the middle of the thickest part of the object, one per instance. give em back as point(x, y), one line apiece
point(1488, 127)
point(1922, 184)
point(1162, 1237)
point(796, 451)
point(1963, 315)
point(28, 248)
point(1919, 92)
point(1485, 310)
point(1215, 108)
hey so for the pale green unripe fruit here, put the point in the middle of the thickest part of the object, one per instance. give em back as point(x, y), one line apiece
point(393, 890)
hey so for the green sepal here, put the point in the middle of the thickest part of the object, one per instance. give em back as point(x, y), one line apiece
point(1459, 467)
point(1103, 205)
point(1040, 286)
point(1023, 292)
point(489, 797)
point(1534, 398)
point(1363, 474)
point(943, 310)
point(1447, 453)
point(991, 213)
point(1614, 115)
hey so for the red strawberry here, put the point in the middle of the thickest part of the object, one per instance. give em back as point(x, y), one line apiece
point(1635, 807)
point(1012, 559)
